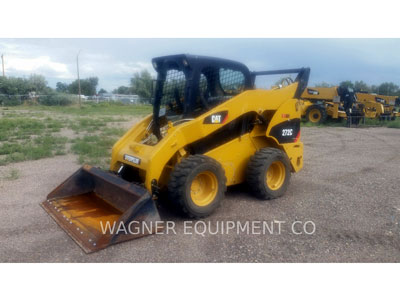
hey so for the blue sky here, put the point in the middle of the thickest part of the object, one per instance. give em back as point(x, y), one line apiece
point(115, 60)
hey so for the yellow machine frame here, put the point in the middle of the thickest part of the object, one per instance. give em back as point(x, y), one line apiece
point(194, 144)
point(378, 105)
point(157, 161)
point(328, 96)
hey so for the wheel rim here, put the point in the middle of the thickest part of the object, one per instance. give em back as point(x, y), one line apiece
point(204, 188)
point(315, 115)
point(275, 175)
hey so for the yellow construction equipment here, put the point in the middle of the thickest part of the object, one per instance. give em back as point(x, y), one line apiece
point(336, 102)
point(210, 128)
point(378, 106)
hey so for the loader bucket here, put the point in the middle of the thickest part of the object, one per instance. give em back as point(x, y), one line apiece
point(90, 199)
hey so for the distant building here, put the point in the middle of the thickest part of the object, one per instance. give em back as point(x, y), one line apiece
point(83, 97)
point(131, 99)
point(128, 99)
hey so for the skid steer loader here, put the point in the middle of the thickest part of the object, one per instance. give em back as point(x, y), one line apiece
point(210, 128)
point(319, 103)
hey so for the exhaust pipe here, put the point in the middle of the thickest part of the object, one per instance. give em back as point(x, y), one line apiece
point(91, 205)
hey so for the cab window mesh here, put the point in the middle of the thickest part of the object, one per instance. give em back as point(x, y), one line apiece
point(231, 81)
point(174, 86)
point(203, 85)
point(219, 84)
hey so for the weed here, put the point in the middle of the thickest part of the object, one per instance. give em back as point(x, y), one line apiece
point(21, 128)
point(327, 123)
point(27, 132)
point(93, 149)
point(89, 125)
point(13, 174)
point(394, 124)
point(93, 109)
point(39, 147)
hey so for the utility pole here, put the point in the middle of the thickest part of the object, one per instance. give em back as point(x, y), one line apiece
point(2, 63)
point(79, 81)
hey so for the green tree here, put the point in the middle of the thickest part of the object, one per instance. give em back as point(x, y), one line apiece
point(22, 86)
point(141, 84)
point(88, 86)
point(102, 91)
point(388, 88)
point(37, 83)
point(15, 90)
point(361, 86)
point(123, 90)
point(61, 87)
point(14, 86)
point(323, 84)
point(55, 98)
point(374, 88)
point(347, 84)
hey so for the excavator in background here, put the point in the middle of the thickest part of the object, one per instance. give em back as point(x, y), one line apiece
point(210, 128)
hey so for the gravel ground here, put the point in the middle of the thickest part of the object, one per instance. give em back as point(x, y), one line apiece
point(349, 188)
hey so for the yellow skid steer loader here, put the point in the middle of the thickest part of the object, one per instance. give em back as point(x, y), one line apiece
point(210, 128)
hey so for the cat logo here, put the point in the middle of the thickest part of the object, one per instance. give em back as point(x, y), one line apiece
point(217, 118)
point(312, 92)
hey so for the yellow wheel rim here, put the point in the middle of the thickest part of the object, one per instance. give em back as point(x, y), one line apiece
point(204, 188)
point(314, 115)
point(276, 174)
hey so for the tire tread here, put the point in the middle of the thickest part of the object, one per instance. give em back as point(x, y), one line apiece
point(177, 181)
point(256, 171)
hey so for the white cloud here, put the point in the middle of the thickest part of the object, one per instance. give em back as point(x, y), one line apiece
point(36, 65)
point(32, 64)
point(129, 68)
point(114, 61)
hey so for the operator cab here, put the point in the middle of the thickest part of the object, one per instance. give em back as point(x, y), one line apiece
point(189, 85)
point(349, 99)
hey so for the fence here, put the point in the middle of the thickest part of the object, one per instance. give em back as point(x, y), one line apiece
point(355, 121)
point(60, 99)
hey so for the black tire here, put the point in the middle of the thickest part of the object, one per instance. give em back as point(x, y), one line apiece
point(310, 116)
point(181, 178)
point(257, 168)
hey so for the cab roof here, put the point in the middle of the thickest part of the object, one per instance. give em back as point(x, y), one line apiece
point(197, 61)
